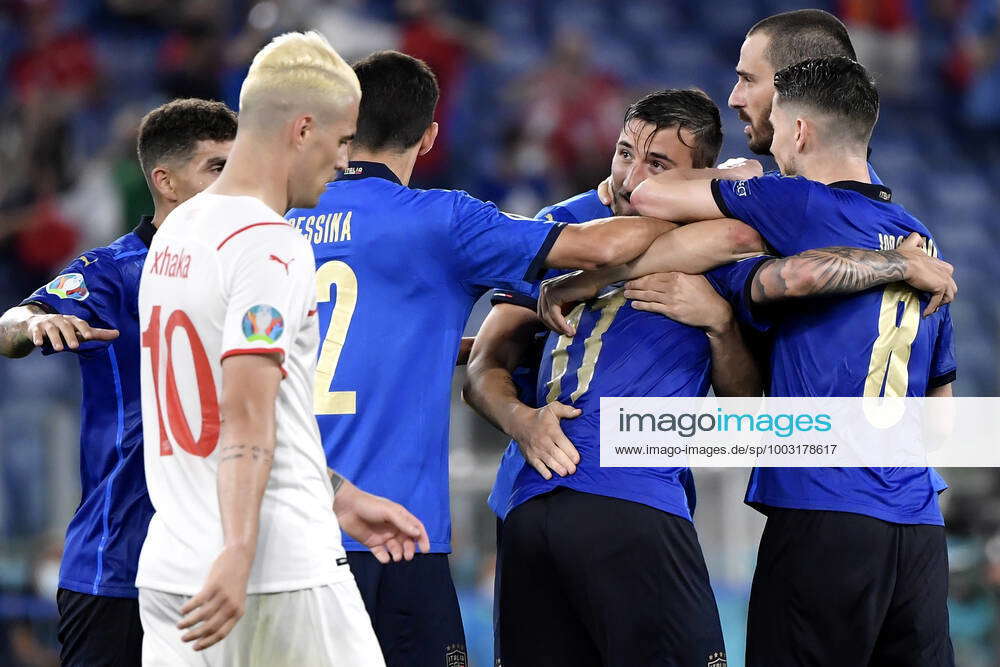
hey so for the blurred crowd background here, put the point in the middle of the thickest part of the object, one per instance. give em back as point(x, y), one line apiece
point(533, 94)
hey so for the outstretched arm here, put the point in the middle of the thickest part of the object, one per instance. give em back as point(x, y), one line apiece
point(23, 328)
point(692, 249)
point(734, 169)
point(680, 200)
point(842, 270)
point(604, 243)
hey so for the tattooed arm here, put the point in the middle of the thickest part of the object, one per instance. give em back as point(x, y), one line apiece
point(842, 270)
point(246, 444)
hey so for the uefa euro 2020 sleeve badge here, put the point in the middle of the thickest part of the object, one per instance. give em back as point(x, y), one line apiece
point(69, 286)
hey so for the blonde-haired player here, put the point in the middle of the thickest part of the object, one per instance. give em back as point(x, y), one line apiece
point(244, 523)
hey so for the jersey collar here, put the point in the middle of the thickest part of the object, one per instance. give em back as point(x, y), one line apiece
point(870, 190)
point(358, 170)
point(145, 230)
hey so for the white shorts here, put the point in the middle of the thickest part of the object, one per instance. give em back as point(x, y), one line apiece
point(326, 626)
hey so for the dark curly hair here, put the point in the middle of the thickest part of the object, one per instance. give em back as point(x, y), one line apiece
point(838, 87)
point(171, 131)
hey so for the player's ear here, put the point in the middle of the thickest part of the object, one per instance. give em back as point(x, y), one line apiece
point(160, 180)
point(430, 136)
point(804, 132)
point(301, 129)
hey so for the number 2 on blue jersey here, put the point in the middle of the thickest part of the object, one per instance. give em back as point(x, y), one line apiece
point(326, 402)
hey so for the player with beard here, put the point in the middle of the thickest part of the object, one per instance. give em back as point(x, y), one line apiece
point(852, 567)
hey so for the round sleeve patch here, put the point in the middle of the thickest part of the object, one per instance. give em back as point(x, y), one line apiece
point(69, 286)
point(263, 323)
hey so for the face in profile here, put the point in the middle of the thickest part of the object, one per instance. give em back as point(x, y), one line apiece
point(641, 152)
point(783, 146)
point(325, 150)
point(751, 96)
point(201, 169)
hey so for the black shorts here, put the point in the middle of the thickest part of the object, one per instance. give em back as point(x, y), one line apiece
point(98, 631)
point(414, 609)
point(590, 580)
point(838, 589)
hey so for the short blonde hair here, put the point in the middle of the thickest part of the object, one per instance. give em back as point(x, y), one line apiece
point(297, 69)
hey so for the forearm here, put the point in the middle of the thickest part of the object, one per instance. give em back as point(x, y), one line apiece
point(14, 339)
point(827, 272)
point(605, 243)
point(734, 370)
point(491, 393)
point(694, 249)
point(682, 201)
point(632, 237)
point(247, 452)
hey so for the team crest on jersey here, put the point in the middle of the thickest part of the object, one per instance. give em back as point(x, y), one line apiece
point(717, 660)
point(69, 286)
point(263, 323)
point(455, 656)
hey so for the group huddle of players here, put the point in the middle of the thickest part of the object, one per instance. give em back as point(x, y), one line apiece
point(267, 362)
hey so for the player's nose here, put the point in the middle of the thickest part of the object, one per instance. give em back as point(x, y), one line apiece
point(635, 175)
point(736, 97)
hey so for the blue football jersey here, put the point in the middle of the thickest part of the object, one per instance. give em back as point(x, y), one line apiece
point(875, 343)
point(398, 272)
point(583, 207)
point(104, 537)
point(617, 351)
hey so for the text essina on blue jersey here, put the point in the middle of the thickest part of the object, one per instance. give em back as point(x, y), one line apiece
point(398, 271)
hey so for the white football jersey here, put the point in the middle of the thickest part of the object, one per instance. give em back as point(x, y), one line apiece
point(226, 275)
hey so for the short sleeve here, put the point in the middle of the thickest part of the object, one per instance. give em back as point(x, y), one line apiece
point(270, 292)
point(774, 205)
point(733, 282)
point(491, 248)
point(529, 298)
point(89, 288)
point(943, 365)
point(556, 213)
